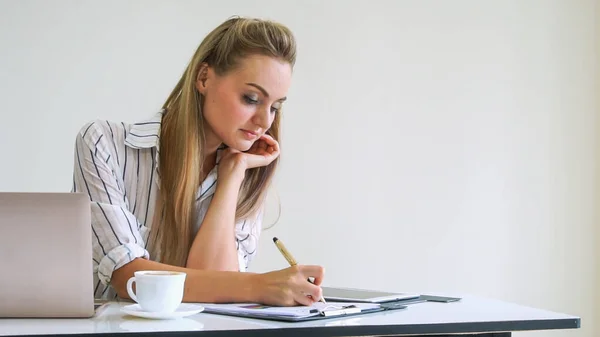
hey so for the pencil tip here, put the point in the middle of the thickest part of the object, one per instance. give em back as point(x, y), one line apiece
point(275, 239)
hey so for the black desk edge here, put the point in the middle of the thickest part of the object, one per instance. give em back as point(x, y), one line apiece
point(360, 330)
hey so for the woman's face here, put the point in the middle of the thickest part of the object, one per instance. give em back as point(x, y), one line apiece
point(241, 105)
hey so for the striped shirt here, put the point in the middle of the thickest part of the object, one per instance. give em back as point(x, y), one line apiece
point(116, 165)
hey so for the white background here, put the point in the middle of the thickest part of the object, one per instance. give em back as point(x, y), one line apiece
point(445, 146)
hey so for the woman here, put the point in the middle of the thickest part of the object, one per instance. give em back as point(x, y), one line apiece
point(184, 190)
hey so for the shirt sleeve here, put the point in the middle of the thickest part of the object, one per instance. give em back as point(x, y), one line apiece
point(247, 234)
point(116, 236)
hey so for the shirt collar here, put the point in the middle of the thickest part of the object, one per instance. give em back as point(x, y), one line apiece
point(145, 134)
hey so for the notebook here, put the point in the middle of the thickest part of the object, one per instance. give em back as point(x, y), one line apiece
point(298, 313)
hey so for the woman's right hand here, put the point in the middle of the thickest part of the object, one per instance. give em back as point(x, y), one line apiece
point(290, 286)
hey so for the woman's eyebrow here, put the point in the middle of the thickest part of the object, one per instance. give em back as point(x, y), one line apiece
point(264, 91)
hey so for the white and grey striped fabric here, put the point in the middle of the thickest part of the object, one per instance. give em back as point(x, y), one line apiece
point(116, 164)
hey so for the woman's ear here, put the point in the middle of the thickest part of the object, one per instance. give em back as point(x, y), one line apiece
point(202, 78)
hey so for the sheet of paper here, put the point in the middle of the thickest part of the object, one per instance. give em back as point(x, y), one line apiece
point(297, 311)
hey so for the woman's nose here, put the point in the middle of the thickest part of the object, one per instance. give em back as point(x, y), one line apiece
point(262, 118)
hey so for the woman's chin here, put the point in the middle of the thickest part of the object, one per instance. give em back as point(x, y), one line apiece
point(241, 145)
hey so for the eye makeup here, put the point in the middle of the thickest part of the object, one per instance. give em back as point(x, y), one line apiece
point(253, 100)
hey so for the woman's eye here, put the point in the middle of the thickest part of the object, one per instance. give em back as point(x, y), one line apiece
point(250, 100)
point(274, 109)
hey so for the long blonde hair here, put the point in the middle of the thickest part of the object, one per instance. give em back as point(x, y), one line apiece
point(182, 136)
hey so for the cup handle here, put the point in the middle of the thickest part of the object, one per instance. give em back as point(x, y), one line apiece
point(130, 289)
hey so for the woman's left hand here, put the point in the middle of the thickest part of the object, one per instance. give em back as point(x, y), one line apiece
point(263, 152)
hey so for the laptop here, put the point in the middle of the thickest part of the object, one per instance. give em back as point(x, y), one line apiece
point(45, 255)
point(364, 295)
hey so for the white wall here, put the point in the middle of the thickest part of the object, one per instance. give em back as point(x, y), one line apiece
point(428, 145)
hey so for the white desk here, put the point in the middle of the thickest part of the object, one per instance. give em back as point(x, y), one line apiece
point(472, 315)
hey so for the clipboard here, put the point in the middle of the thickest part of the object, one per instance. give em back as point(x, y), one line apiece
point(299, 314)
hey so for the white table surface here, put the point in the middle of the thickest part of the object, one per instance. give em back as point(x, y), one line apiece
point(468, 315)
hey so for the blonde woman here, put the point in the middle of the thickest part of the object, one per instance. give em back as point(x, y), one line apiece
point(184, 190)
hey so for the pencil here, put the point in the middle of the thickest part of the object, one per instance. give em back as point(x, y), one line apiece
point(290, 259)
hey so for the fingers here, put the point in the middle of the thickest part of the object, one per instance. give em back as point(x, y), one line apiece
point(316, 272)
point(270, 140)
point(253, 147)
point(307, 293)
point(315, 292)
point(263, 144)
point(303, 298)
point(262, 152)
point(272, 146)
point(290, 286)
point(312, 292)
point(262, 147)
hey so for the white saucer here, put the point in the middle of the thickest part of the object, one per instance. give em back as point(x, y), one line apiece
point(183, 310)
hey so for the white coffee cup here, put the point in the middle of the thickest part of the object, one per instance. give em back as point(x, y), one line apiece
point(157, 291)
